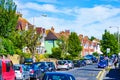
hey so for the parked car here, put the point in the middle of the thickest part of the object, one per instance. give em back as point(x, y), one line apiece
point(88, 61)
point(77, 63)
point(62, 64)
point(91, 57)
point(70, 63)
point(57, 76)
point(51, 66)
point(21, 72)
point(43, 66)
point(102, 63)
point(34, 70)
point(28, 61)
point(6, 70)
point(83, 62)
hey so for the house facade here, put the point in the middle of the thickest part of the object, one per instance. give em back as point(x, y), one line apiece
point(89, 47)
point(24, 25)
point(50, 40)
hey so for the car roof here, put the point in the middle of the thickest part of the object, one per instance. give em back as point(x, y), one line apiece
point(60, 73)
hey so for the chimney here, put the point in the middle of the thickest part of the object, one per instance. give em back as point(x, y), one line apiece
point(43, 30)
point(39, 30)
point(52, 28)
point(67, 31)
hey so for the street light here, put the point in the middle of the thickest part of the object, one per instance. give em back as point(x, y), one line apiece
point(117, 35)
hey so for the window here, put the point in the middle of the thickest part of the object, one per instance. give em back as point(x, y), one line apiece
point(7, 66)
point(0, 67)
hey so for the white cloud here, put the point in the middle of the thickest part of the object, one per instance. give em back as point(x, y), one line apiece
point(89, 21)
point(48, 1)
point(85, 21)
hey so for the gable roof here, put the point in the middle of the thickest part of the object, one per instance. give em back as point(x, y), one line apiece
point(51, 36)
point(22, 23)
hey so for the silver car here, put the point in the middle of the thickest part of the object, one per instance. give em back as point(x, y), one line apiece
point(70, 63)
point(62, 64)
point(21, 72)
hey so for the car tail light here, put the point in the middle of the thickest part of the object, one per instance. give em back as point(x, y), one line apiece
point(20, 69)
point(31, 71)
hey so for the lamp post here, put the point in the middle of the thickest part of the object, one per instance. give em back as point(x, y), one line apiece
point(117, 35)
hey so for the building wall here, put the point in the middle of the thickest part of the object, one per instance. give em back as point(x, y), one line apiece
point(49, 44)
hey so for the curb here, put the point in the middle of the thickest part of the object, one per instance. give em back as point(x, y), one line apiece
point(102, 73)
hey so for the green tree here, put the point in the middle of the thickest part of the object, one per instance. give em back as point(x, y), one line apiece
point(109, 41)
point(18, 41)
point(56, 53)
point(74, 45)
point(6, 47)
point(63, 45)
point(92, 38)
point(8, 17)
point(31, 38)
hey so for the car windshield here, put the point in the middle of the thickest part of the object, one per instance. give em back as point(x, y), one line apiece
point(55, 77)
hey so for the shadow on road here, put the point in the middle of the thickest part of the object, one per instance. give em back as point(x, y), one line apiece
point(113, 74)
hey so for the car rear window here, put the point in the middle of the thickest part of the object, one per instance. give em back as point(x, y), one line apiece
point(56, 77)
point(61, 62)
point(16, 67)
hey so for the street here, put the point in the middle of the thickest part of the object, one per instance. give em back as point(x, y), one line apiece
point(88, 72)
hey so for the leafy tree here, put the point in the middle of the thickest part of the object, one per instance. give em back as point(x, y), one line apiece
point(18, 41)
point(7, 46)
point(31, 38)
point(74, 45)
point(63, 45)
point(56, 53)
point(8, 17)
point(109, 41)
point(116, 36)
point(92, 38)
point(95, 54)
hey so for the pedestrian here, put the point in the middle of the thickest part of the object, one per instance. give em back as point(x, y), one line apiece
point(115, 61)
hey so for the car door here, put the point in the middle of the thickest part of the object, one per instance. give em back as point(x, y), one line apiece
point(26, 72)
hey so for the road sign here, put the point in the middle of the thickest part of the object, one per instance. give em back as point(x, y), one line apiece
point(108, 50)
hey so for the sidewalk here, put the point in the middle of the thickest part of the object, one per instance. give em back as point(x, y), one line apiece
point(113, 74)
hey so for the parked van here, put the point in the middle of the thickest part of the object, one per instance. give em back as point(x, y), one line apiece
point(6, 70)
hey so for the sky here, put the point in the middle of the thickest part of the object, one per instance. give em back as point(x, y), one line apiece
point(87, 17)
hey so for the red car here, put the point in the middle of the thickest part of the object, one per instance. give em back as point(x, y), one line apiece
point(6, 70)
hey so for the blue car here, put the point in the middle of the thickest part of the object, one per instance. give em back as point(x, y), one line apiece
point(102, 63)
point(43, 66)
point(34, 70)
point(58, 76)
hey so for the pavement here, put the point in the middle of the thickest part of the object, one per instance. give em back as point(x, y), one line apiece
point(112, 74)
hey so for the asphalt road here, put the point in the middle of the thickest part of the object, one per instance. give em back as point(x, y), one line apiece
point(88, 72)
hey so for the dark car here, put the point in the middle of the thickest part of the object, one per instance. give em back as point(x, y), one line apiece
point(43, 66)
point(57, 76)
point(51, 66)
point(77, 63)
point(91, 57)
point(35, 71)
point(83, 62)
point(28, 61)
point(102, 63)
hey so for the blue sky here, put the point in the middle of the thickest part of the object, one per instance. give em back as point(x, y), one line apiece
point(87, 17)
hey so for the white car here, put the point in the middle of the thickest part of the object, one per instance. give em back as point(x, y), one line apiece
point(70, 63)
point(63, 64)
point(21, 72)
